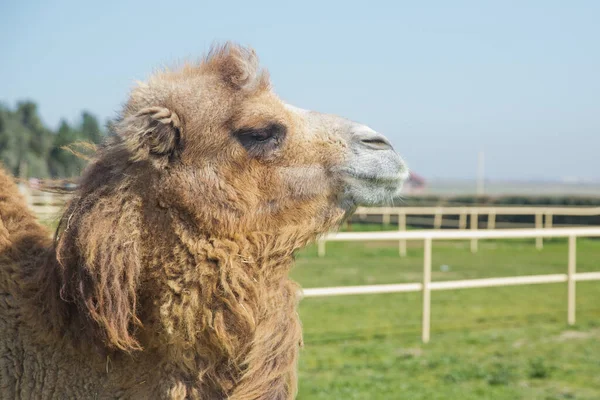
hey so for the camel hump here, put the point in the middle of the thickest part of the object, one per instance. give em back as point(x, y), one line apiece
point(16, 219)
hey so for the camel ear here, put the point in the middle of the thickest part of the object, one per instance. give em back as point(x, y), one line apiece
point(153, 134)
point(238, 67)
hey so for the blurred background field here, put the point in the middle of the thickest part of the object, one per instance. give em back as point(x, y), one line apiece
point(492, 343)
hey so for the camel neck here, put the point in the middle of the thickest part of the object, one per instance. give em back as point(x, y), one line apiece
point(208, 303)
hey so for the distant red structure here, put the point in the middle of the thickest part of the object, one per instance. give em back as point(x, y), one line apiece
point(415, 184)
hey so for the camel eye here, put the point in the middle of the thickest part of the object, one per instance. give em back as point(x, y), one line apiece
point(262, 135)
point(261, 142)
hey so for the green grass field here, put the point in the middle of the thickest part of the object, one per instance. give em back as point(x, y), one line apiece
point(492, 343)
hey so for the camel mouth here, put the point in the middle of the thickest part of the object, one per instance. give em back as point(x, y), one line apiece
point(363, 189)
point(397, 179)
point(371, 172)
point(373, 177)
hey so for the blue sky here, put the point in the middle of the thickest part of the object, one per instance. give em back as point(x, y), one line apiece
point(442, 79)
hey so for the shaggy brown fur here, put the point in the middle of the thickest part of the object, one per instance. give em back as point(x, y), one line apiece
point(168, 275)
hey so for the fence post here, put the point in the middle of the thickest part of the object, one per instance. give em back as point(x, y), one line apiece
point(321, 247)
point(571, 279)
point(26, 191)
point(347, 225)
point(426, 291)
point(474, 226)
point(462, 219)
point(402, 228)
point(549, 220)
point(437, 219)
point(386, 217)
point(492, 220)
point(539, 241)
point(361, 214)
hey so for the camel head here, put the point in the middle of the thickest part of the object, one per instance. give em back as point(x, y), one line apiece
point(203, 154)
point(236, 158)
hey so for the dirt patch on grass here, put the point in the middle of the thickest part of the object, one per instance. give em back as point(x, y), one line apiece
point(577, 335)
point(409, 352)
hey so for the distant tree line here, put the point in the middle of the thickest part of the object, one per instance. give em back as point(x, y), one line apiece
point(28, 148)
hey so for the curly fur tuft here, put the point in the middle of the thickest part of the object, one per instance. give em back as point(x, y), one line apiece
point(238, 67)
point(98, 254)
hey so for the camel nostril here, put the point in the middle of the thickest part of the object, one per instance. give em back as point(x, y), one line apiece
point(376, 142)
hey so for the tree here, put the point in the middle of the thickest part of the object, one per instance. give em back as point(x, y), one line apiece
point(61, 161)
point(8, 141)
point(40, 137)
point(90, 129)
point(29, 149)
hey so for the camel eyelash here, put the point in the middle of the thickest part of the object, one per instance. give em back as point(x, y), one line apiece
point(260, 142)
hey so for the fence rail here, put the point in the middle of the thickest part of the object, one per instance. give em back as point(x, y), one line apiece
point(482, 210)
point(426, 286)
point(543, 218)
point(45, 205)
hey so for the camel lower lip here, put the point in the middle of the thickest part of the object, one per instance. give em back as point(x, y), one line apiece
point(375, 179)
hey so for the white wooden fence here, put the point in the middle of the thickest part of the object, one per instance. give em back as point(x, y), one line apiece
point(426, 286)
point(474, 212)
point(45, 205)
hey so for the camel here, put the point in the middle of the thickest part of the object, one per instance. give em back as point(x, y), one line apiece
point(167, 276)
